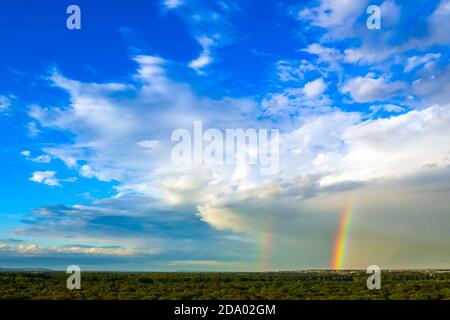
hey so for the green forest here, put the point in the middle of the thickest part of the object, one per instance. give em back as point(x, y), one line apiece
point(302, 285)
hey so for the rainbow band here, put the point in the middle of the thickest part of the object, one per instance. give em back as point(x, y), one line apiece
point(341, 239)
point(266, 250)
point(265, 246)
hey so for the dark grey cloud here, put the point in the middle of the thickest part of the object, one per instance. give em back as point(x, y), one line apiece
point(139, 222)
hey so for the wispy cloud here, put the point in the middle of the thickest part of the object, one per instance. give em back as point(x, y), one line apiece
point(172, 4)
point(40, 250)
point(205, 57)
point(5, 104)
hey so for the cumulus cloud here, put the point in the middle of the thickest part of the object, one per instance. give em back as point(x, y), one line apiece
point(45, 177)
point(116, 147)
point(328, 157)
point(337, 16)
point(276, 103)
point(394, 147)
point(430, 87)
point(157, 88)
point(367, 162)
point(297, 101)
point(344, 20)
point(326, 54)
point(368, 89)
point(438, 21)
point(311, 98)
point(314, 88)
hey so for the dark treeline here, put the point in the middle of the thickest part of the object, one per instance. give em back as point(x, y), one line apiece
point(215, 286)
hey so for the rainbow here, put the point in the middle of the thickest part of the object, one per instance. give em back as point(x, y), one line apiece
point(266, 244)
point(340, 244)
point(266, 251)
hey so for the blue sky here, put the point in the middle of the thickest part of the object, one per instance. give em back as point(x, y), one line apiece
point(86, 118)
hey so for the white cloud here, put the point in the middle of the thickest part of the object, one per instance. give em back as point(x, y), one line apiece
point(300, 101)
point(5, 104)
point(438, 22)
point(44, 158)
point(344, 19)
point(33, 130)
point(223, 218)
point(292, 70)
point(325, 54)
point(314, 88)
point(205, 57)
point(104, 250)
point(353, 55)
point(25, 153)
point(367, 89)
point(207, 263)
point(297, 101)
point(86, 171)
point(416, 61)
point(431, 86)
point(172, 4)
point(209, 24)
point(28, 249)
point(396, 147)
point(150, 145)
point(333, 159)
point(34, 249)
point(391, 13)
point(392, 108)
point(112, 136)
point(45, 177)
point(202, 61)
point(328, 60)
point(276, 103)
point(337, 16)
